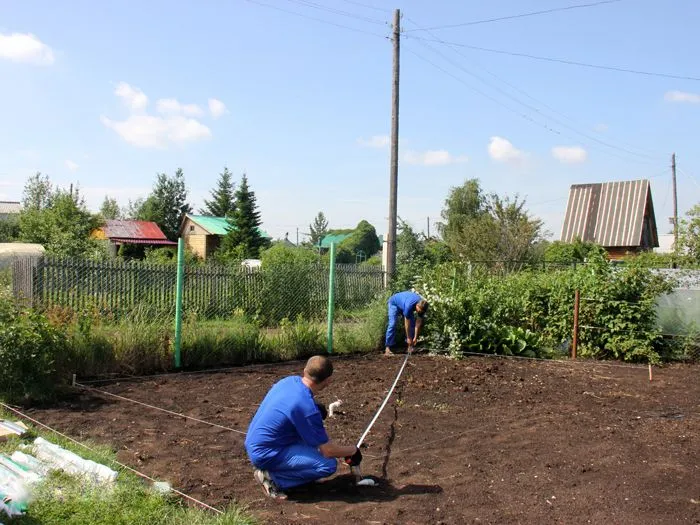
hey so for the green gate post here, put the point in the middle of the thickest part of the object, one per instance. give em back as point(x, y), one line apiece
point(178, 300)
point(331, 299)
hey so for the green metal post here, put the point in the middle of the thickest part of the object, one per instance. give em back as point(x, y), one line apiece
point(178, 300)
point(331, 299)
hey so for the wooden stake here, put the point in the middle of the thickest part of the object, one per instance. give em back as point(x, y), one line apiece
point(574, 344)
point(649, 371)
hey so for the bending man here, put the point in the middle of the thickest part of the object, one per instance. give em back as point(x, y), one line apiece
point(287, 441)
point(409, 305)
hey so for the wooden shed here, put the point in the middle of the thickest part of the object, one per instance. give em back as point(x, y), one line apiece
point(619, 216)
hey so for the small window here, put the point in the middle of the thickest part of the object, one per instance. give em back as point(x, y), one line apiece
point(191, 228)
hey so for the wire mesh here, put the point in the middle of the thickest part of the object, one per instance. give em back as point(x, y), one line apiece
point(117, 288)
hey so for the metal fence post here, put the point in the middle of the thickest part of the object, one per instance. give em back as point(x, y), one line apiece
point(178, 300)
point(331, 298)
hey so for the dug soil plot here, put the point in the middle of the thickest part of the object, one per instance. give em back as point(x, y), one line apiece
point(483, 440)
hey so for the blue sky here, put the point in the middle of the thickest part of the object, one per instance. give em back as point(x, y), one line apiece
point(107, 94)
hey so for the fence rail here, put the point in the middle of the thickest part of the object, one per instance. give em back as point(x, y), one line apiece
point(118, 288)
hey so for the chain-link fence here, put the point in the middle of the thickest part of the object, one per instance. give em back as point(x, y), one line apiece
point(117, 288)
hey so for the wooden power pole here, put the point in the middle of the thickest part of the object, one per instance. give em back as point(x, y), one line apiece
point(394, 163)
point(675, 205)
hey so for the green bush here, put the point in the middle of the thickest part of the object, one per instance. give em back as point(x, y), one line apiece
point(361, 330)
point(531, 313)
point(30, 353)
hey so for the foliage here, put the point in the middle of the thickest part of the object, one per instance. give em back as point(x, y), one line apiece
point(57, 219)
point(222, 203)
point(109, 210)
point(235, 341)
point(362, 242)
point(9, 229)
point(245, 226)
point(690, 233)
point(289, 277)
point(168, 255)
point(531, 313)
point(318, 229)
point(361, 330)
point(167, 203)
point(295, 340)
point(29, 348)
point(62, 499)
point(567, 252)
point(661, 260)
point(481, 227)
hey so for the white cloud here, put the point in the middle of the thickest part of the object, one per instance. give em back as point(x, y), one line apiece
point(682, 96)
point(216, 107)
point(570, 154)
point(170, 106)
point(377, 141)
point(25, 47)
point(132, 97)
point(502, 150)
point(432, 158)
point(72, 166)
point(147, 131)
point(176, 125)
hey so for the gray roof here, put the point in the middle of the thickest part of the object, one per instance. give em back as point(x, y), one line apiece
point(8, 207)
point(612, 214)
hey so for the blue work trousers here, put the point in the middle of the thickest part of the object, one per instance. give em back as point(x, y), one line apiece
point(300, 464)
point(394, 314)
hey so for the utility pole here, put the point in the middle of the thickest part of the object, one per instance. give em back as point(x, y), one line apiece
point(428, 227)
point(297, 235)
point(675, 205)
point(394, 162)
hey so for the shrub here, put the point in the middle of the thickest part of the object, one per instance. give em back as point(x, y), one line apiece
point(30, 351)
point(531, 313)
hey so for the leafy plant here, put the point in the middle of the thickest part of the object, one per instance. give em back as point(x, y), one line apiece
point(29, 349)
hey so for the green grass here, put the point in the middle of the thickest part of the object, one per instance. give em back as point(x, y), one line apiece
point(66, 500)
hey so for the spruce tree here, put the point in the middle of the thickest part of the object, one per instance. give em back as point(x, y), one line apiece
point(244, 238)
point(222, 203)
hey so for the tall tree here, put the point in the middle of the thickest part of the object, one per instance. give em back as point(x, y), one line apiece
point(222, 203)
point(481, 227)
point(690, 233)
point(110, 208)
point(318, 229)
point(38, 192)
point(57, 219)
point(244, 238)
point(167, 203)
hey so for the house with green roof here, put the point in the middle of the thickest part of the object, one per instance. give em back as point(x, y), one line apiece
point(202, 233)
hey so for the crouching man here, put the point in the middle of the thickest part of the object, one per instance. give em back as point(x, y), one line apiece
point(287, 441)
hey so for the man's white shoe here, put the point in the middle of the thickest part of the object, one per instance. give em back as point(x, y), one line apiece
point(268, 485)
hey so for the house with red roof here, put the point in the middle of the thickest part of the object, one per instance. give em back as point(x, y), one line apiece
point(120, 232)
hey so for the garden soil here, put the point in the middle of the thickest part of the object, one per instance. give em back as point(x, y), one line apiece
point(483, 440)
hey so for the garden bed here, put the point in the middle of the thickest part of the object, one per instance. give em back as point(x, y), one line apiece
point(482, 440)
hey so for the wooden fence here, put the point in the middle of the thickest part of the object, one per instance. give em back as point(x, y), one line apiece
point(118, 288)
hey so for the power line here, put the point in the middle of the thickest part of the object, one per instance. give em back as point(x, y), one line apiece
point(561, 60)
point(302, 15)
point(536, 110)
point(521, 15)
point(644, 154)
point(314, 5)
point(360, 4)
point(695, 181)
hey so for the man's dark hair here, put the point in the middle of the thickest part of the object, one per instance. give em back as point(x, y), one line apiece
point(424, 307)
point(318, 368)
